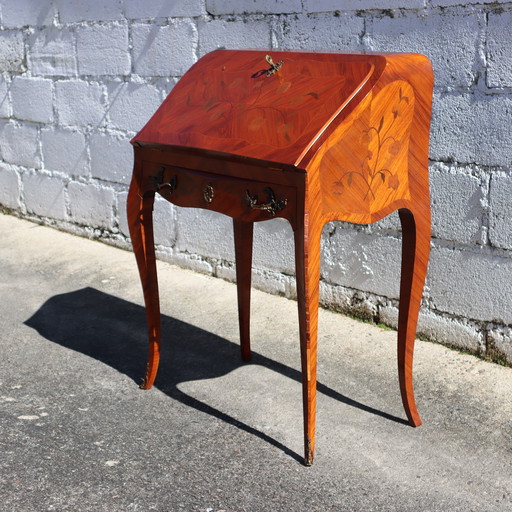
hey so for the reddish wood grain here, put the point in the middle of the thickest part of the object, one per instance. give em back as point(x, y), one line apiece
point(227, 103)
point(140, 223)
point(243, 233)
point(325, 137)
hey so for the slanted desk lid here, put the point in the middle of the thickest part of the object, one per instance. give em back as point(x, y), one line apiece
point(264, 104)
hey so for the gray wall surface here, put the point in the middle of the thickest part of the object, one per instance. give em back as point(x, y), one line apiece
point(78, 79)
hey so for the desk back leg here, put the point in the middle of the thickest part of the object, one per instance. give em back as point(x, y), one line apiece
point(415, 254)
point(307, 264)
point(243, 234)
point(140, 223)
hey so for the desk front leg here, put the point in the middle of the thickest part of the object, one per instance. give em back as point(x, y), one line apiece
point(140, 223)
point(307, 264)
point(243, 234)
point(415, 254)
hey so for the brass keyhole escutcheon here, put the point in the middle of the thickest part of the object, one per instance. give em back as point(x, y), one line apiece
point(208, 194)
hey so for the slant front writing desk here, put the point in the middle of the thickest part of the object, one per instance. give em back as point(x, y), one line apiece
point(309, 137)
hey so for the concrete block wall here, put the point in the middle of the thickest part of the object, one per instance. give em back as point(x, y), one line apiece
point(78, 79)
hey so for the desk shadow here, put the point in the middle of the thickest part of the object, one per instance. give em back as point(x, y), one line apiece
point(113, 331)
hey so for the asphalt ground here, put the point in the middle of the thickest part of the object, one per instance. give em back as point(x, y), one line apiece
point(216, 434)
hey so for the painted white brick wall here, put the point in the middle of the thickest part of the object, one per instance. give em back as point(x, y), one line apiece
point(232, 33)
point(448, 3)
point(164, 50)
point(457, 216)
point(16, 14)
point(342, 32)
point(5, 110)
point(499, 67)
point(220, 7)
point(356, 5)
point(103, 50)
point(73, 160)
point(51, 52)
point(91, 205)
point(457, 35)
point(9, 187)
point(11, 51)
point(472, 281)
point(19, 144)
point(80, 103)
point(131, 104)
point(116, 150)
point(500, 221)
point(32, 99)
point(78, 79)
point(44, 195)
point(163, 9)
point(77, 10)
point(472, 128)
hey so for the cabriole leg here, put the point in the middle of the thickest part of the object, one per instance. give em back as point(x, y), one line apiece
point(415, 254)
point(140, 222)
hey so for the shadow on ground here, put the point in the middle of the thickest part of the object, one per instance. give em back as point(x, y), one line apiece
point(113, 331)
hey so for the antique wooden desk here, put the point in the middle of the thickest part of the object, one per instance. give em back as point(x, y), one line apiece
point(309, 137)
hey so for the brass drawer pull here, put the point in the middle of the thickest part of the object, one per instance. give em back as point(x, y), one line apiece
point(157, 182)
point(208, 193)
point(274, 205)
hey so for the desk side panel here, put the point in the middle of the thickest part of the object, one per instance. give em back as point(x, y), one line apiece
point(376, 160)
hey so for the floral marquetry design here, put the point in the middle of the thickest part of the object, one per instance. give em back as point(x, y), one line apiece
point(274, 106)
point(387, 147)
point(368, 162)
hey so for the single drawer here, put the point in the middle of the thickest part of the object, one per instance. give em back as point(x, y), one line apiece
point(246, 200)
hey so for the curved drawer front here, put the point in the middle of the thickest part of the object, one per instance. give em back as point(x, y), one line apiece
point(247, 200)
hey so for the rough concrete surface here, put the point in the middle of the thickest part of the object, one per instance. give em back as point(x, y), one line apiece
point(215, 434)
